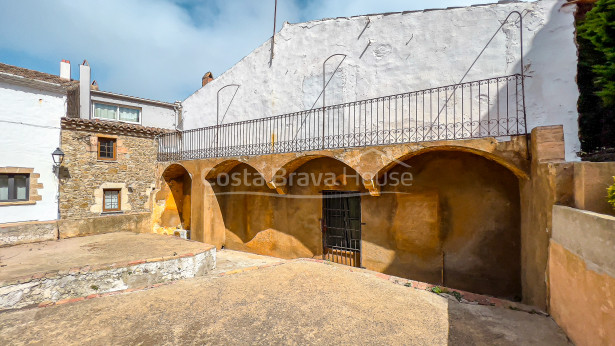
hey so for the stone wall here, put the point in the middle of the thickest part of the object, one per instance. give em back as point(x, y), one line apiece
point(88, 281)
point(582, 275)
point(591, 179)
point(551, 181)
point(28, 232)
point(133, 222)
point(83, 176)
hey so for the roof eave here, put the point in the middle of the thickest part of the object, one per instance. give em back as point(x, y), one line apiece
point(35, 83)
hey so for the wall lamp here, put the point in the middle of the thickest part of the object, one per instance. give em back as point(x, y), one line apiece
point(58, 156)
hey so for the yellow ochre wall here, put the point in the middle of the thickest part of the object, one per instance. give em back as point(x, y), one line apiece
point(459, 204)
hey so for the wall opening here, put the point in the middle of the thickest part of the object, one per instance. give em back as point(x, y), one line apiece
point(258, 219)
point(172, 212)
point(457, 224)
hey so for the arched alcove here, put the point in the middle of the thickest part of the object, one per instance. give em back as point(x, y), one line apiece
point(172, 210)
point(457, 223)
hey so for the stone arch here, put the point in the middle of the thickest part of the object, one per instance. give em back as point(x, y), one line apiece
point(392, 162)
point(225, 166)
point(458, 223)
point(172, 203)
point(281, 174)
point(257, 219)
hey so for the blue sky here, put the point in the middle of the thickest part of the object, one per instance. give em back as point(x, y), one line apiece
point(160, 49)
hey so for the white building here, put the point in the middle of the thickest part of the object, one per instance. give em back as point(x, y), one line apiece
point(401, 52)
point(33, 104)
point(104, 105)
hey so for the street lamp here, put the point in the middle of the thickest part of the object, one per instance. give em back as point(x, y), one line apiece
point(58, 156)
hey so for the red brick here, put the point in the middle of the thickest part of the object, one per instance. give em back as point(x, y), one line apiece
point(382, 276)
point(45, 304)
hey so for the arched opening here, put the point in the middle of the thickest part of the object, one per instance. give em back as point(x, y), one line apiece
point(172, 210)
point(457, 224)
point(258, 219)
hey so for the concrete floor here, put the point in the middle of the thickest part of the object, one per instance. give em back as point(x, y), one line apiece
point(295, 302)
point(64, 254)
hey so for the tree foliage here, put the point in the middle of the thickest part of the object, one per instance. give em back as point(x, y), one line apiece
point(596, 76)
point(599, 29)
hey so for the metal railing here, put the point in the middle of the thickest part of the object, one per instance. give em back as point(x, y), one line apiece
point(485, 108)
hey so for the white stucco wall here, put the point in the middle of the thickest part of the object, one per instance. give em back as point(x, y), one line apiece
point(406, 52)
point(153, 115)
point(30, 127)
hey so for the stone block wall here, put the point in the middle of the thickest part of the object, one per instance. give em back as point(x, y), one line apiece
point(133, 222)
point(83, 176)
point(27, 232)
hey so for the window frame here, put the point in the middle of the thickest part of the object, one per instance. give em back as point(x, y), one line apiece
point(100, 139)
point(11, 188)
point(117, 112)
point(119, 201)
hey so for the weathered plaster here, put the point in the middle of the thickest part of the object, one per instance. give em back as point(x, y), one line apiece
point(403, 52)
point(591, 179)
point(582, 275)
point(30, 122)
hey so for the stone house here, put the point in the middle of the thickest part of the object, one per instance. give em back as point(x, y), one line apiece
point(108, 142)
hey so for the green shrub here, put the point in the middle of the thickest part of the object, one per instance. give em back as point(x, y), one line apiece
point(596, 76)
point(611, 194)
point(599, 29)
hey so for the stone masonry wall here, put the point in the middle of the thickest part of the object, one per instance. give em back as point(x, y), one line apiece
point(77, 283)
point(83, 176)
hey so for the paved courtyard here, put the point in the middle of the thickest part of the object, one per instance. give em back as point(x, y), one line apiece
point(289, 302)
point(119, 247)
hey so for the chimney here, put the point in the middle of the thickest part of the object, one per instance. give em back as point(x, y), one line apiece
point(84, 90)
point(65, 69)
point(208, 77)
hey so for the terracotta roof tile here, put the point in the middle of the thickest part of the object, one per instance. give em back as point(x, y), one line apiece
point(111, 127)
point(36, 75)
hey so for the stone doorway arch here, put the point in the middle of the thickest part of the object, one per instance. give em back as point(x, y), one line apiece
point(172, 210)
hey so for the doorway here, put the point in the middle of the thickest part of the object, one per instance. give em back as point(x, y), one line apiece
point(341, 227)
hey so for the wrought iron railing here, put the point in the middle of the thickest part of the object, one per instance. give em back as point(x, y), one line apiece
point(485, 108)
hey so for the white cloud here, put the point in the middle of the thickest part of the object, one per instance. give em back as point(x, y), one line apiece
point(161, 48)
